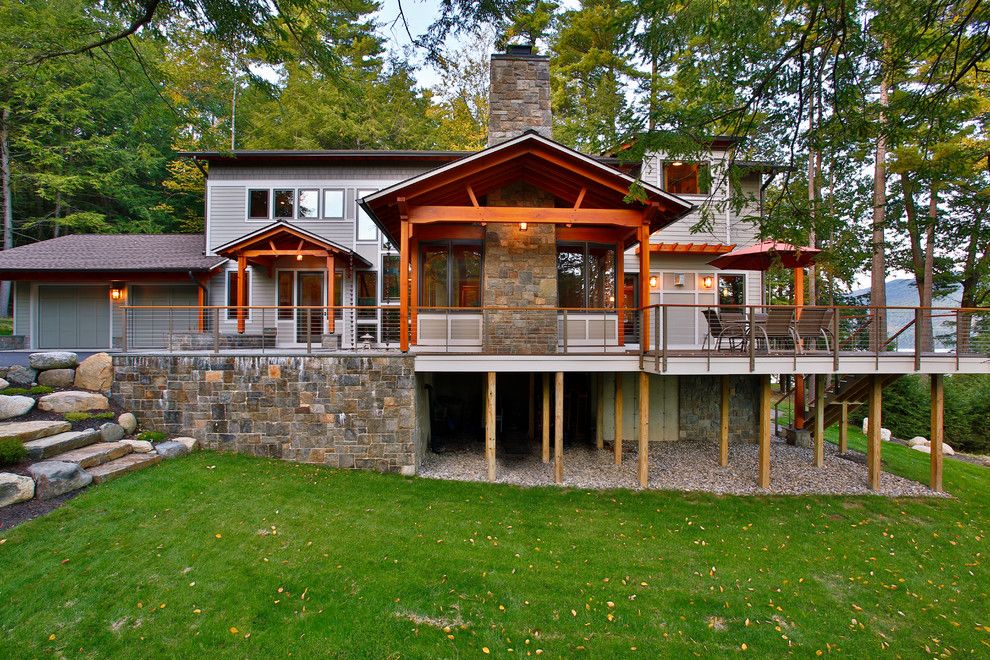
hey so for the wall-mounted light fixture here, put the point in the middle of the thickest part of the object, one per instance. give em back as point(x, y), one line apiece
point(677, 163)
point(116, 290)
point(679, 279)
point(298, 257)
point(653, 281)
point(523, 226)
point(707, 281)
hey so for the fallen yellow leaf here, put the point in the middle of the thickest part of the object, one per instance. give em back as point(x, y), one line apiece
point(484, 649)
point(233, 631)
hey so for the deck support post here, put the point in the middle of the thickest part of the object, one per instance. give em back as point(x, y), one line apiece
point(644, 283)
point(938, 430)
point(643, 453)
point(873, 433)
point(558, 429)
point(546, 418)
point(819, 420)
point(241, 298)
point(723, 439)
point(617, 443)
point(490, 425)
point(844, 428)
point(763, 479)
point(600, 411)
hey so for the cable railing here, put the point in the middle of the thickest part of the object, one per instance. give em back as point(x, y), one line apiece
point(655, 333)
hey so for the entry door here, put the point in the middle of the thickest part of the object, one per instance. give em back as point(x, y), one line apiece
point(630, 297)
point(309, 291)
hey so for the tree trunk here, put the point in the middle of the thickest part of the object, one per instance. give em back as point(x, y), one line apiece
point(878, 275)
point(7, 203)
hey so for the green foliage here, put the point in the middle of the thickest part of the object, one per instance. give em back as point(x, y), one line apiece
point(36, 390)
point(85, 416)
point(12, 451)
point(152, 436)
point(6, 325)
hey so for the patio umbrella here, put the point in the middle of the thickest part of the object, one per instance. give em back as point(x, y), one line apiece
point(764, 255)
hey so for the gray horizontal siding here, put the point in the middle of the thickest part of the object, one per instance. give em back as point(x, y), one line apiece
point(22, 308)
point(339, 175)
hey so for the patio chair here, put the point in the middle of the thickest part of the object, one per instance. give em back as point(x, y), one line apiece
point(720, 329)
point(815, 323)
point(778, 327)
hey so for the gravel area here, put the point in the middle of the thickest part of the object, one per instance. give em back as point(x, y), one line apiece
point(684, 466)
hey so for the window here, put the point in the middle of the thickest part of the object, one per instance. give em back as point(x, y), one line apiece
point(286, 282)
point(586, 276)
point(284, 201)
point(451, 275)
point(338, 295)
point(390, 278)
point(366, 228)
point(333, 204)
point(685, 178)
point(732, 290)
point(258, 203)
point(232, 294)
point(367, 293)
point(309, 204)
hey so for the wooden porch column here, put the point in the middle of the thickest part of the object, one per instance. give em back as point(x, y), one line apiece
point(617, 443)
point(844, 428)
point(414, 291)
point(620, 291)
point(241, 276)
point(600, 411)
point(546, 418)
point(938, 430)
point(558, 428)
point(723, 441)
point(644, 284)
point(490, 425)
point(201, 303)
point(763, 479)
point(644, 429)
point(403, 288)
point(819, 420)
point(873, 433)
point(330, 292)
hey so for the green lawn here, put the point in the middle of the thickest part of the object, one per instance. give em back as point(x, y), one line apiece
point(249, 557)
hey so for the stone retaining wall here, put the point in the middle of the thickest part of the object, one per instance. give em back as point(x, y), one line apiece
point(351, 411)
point(699, 407)
point(13, 342)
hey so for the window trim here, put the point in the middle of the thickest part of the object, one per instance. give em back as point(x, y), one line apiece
point(587, 245)
point(250, 294)
point(248, 204)
point(450, 243)
point(299, 192)
point(323, 203)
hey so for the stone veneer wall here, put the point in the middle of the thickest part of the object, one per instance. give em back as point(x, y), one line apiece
point(520, 270)
point(699, 407)
point(352, 411)
point(519, 96)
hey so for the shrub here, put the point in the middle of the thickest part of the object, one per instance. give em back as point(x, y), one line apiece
point(11, 451)
point(83, 416)
point(151, 436)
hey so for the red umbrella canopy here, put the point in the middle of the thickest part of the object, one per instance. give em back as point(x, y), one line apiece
point(763, 256)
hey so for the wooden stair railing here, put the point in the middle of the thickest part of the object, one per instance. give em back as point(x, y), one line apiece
point(851, 390)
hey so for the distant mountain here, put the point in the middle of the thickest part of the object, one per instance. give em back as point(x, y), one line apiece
point(904, 293)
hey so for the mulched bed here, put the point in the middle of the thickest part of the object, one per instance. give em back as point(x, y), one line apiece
point(15, 514)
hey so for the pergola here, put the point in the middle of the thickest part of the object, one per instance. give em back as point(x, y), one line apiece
point(264, 246)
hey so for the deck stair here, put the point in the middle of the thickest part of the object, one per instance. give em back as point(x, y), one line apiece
point(123, 465)
point(51, 446)
point(849, 389)
point(95, 454)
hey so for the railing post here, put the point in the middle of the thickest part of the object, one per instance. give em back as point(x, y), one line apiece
point(835, 338)
point(664, 341)
point(642, 336)
point(881, 335)
point(919, 316)
point(564, 331)
point(446, 329)
point(656, 338)
point(123, 329)
point(961, 333)
point(309, 331)
point(752, 339)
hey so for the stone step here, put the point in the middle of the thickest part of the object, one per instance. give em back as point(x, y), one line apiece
point(26, 431)
point(95, 454)
point(60, 443)
point(129, 463)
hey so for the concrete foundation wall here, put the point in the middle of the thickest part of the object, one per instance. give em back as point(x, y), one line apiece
point(358, 411)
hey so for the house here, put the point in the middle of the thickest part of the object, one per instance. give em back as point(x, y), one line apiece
point(350, 307)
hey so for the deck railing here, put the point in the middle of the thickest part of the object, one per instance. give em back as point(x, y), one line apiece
point(710, 331)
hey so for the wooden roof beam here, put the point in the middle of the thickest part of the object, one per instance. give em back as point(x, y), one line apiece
point(615, 217)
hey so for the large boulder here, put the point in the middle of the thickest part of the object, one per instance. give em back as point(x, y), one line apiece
point(885, 435)
point(927, 449)
point(192, 444)
point(53, 360)
point(128, 421)
point(15, 406)
point(138, 446)
point(924, 449)
point(18, 374)
point(916, 441)
point(866, 426)
point(54, 478)
point(57, 377)
point(95, 373)
point(171, 449)
point(4, 384)
point(112, 432)
point(72, 401)
point(15, 488)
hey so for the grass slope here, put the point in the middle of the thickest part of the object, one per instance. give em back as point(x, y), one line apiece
point(243, 557)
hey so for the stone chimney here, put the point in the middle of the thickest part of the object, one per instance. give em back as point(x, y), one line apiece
point(519, 96)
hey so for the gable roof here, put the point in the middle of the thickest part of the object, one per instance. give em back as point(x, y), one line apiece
point(531, 157)
point(279, 231)
point(110, 253)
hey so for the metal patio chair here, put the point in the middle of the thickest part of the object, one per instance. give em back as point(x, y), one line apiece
point(814, 324)
point(777, 328)
point(721, 328)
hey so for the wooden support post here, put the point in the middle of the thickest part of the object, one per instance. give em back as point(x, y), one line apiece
point(330, 292)
point(617, 443)
point(938, 430)
point(844, 428)
point(644, 284)
point(873, 433)
point(819, 420)
point(531, 428)
point(490, 425)
point(558, 428)
point(644, 429)
point(600, 411)
point(723, 440)
point(241, 297)
point(403, 288)
point(201, 303)
point(546, 418)
point(620, 293)
point(763, 479)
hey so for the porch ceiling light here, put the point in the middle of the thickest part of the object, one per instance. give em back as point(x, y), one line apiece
point(677, 163)
point(298, 257)
point(523, 226)
point(653, 281)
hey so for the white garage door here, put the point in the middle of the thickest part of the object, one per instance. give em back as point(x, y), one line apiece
point(73, 316)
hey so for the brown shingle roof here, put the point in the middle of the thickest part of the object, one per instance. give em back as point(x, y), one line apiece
point(112, 253)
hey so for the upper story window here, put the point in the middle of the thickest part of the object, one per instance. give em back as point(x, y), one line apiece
point(366, 228)
point(333, 204)
point(285, 203)
point(259, 203)
point(585, 276)
point(732, 290)
point(390, 278)
point(451, 275)
point(309, 204)
point(685, 178)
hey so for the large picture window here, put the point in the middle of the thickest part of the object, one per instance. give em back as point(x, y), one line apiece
point(284, 203)
point(585, 276)
point(366, 282)
point(732, 290)
point(366, 228)
point(685, 178)
point(451, 275)
point(390, 278)
point(333, 204)
point(232, 294)
point(258, 204)
point(309, 204)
